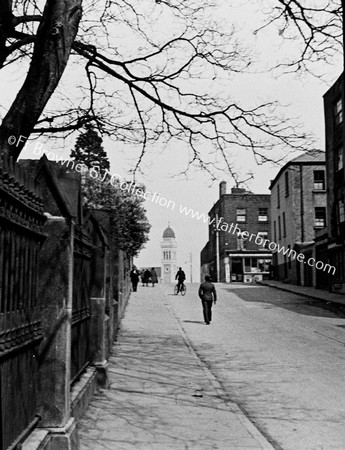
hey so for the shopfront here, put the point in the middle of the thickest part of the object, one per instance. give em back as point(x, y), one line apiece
point(249, 267)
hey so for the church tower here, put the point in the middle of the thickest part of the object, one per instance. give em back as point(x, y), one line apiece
point(168, 255)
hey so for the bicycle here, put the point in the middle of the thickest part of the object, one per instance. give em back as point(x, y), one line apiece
point(181, 289)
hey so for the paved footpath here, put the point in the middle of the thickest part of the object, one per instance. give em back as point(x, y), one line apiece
point(161, 395)
point(317, 294)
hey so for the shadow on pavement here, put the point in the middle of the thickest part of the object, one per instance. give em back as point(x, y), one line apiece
point(290, 301)
point(194, 321)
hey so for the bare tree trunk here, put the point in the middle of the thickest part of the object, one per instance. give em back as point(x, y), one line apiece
point(55, 36)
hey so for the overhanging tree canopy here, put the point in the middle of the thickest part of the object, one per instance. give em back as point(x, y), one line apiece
point(142, 81)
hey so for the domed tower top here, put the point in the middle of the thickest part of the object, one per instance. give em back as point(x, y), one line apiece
point(168, 233)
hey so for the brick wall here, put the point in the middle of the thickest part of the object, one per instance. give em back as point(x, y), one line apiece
point(226, 208)
point(295, 211)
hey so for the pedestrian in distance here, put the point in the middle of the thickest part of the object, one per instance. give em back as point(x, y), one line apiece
point(208, 296)
point(180, 277)
point(147, 277)
point(154, 278)
point(134, 276)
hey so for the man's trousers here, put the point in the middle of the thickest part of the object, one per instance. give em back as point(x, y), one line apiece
point(207, 310)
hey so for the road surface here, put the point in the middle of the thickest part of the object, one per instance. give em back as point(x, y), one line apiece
point(279, 356)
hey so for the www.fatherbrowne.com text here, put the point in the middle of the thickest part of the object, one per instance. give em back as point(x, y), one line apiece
point(219, 223)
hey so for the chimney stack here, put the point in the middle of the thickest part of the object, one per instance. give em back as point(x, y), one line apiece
point(222, 188)
point(236, 190)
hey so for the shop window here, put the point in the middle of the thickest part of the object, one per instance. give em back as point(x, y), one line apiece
point(264, 265)
point(247, 265)
point(251, 264)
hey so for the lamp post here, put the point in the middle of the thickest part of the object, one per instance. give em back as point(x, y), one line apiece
point(227, 269)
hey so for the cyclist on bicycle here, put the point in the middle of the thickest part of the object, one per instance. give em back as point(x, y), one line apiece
point(180, 277)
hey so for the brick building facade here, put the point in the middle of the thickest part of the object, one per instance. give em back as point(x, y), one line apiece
point(299, 217)
point(335, 130)
point(238, 223)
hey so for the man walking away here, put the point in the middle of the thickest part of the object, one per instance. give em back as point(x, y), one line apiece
point(208, 295)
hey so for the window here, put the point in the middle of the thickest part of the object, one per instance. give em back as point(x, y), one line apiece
point(320, 217)
point(338, 112)
point(256, 265)
point(278, 196)
point(241, 215)
point(284, 225)
point(285, 266)
point(263, 215)
point(279, 228)
point(341, 211)
point(275, 230)
point(264, 236)
point(264, 265)
point(250, 264)
point(286, 184)
point(319, 180)
point(167, 255)
point(339, 159)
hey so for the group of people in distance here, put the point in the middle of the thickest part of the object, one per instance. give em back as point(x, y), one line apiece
point(207, 291)
point(147, 276)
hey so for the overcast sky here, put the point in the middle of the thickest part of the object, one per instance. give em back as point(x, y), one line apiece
point(302, 94)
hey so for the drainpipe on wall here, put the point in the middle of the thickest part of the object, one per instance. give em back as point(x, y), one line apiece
point(302, 201)
point(217, 249)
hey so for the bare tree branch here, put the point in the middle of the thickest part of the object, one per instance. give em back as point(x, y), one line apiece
point(143, 84)
point(315, 24)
